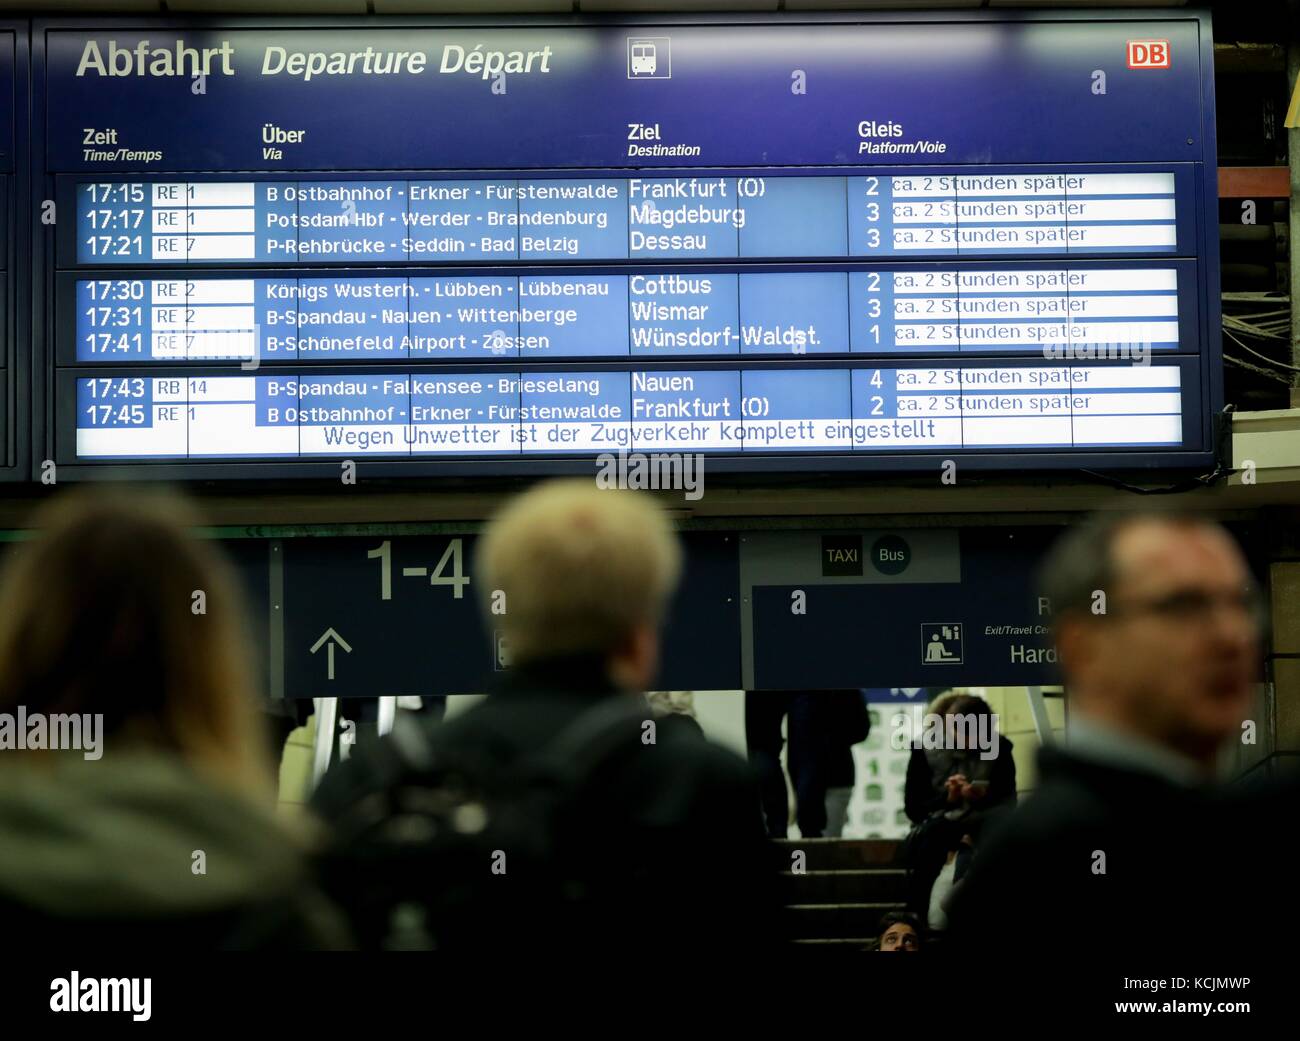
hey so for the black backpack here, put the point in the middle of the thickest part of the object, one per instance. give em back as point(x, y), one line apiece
point(441, 847)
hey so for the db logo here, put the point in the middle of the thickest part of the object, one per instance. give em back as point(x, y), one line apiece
point(1148, 54)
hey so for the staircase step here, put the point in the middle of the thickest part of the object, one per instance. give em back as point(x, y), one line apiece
point(838, 943)
point(836, 921)
point(844, 887)
point(839, 854)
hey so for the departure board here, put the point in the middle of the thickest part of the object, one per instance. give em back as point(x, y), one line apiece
point(874, 242)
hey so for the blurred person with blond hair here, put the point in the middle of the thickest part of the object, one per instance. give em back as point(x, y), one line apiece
point(652, 840)
point(117, 618)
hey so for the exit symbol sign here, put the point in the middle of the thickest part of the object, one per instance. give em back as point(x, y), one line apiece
point(1148, 54)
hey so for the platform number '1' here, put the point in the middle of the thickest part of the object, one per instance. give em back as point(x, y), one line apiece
point(454, 555)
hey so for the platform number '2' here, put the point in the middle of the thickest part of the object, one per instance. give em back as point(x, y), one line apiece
point(454, 556)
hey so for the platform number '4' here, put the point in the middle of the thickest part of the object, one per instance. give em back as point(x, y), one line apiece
point(458, 580)
point(454, 555)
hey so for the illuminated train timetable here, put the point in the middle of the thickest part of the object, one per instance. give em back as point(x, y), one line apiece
point(539, 413)
point(650, 241)
point(1081, 311)
point(636, 218)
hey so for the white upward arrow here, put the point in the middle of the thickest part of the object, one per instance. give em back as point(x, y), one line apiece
point(329, 638)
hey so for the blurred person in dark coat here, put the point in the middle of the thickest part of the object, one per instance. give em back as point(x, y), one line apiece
point(662, 843)
point(822, 726)
point(1156, 626)
point(164, 836)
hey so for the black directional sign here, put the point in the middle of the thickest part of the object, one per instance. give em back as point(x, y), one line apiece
point(250, 560)
point(702, 639)
point(981, 623)
point(383, 615)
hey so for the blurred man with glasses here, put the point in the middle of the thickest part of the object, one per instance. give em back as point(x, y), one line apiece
point(1157, 628)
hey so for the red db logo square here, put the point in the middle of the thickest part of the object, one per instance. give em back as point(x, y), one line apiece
point(1148, 54)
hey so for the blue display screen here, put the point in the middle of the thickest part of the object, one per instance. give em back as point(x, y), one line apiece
point(1079, 311)
point(638, 219)
point(636, 237)
point(783, 409)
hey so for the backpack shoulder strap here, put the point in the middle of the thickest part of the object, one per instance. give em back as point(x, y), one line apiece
point(610, 725)
point(374, 767)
